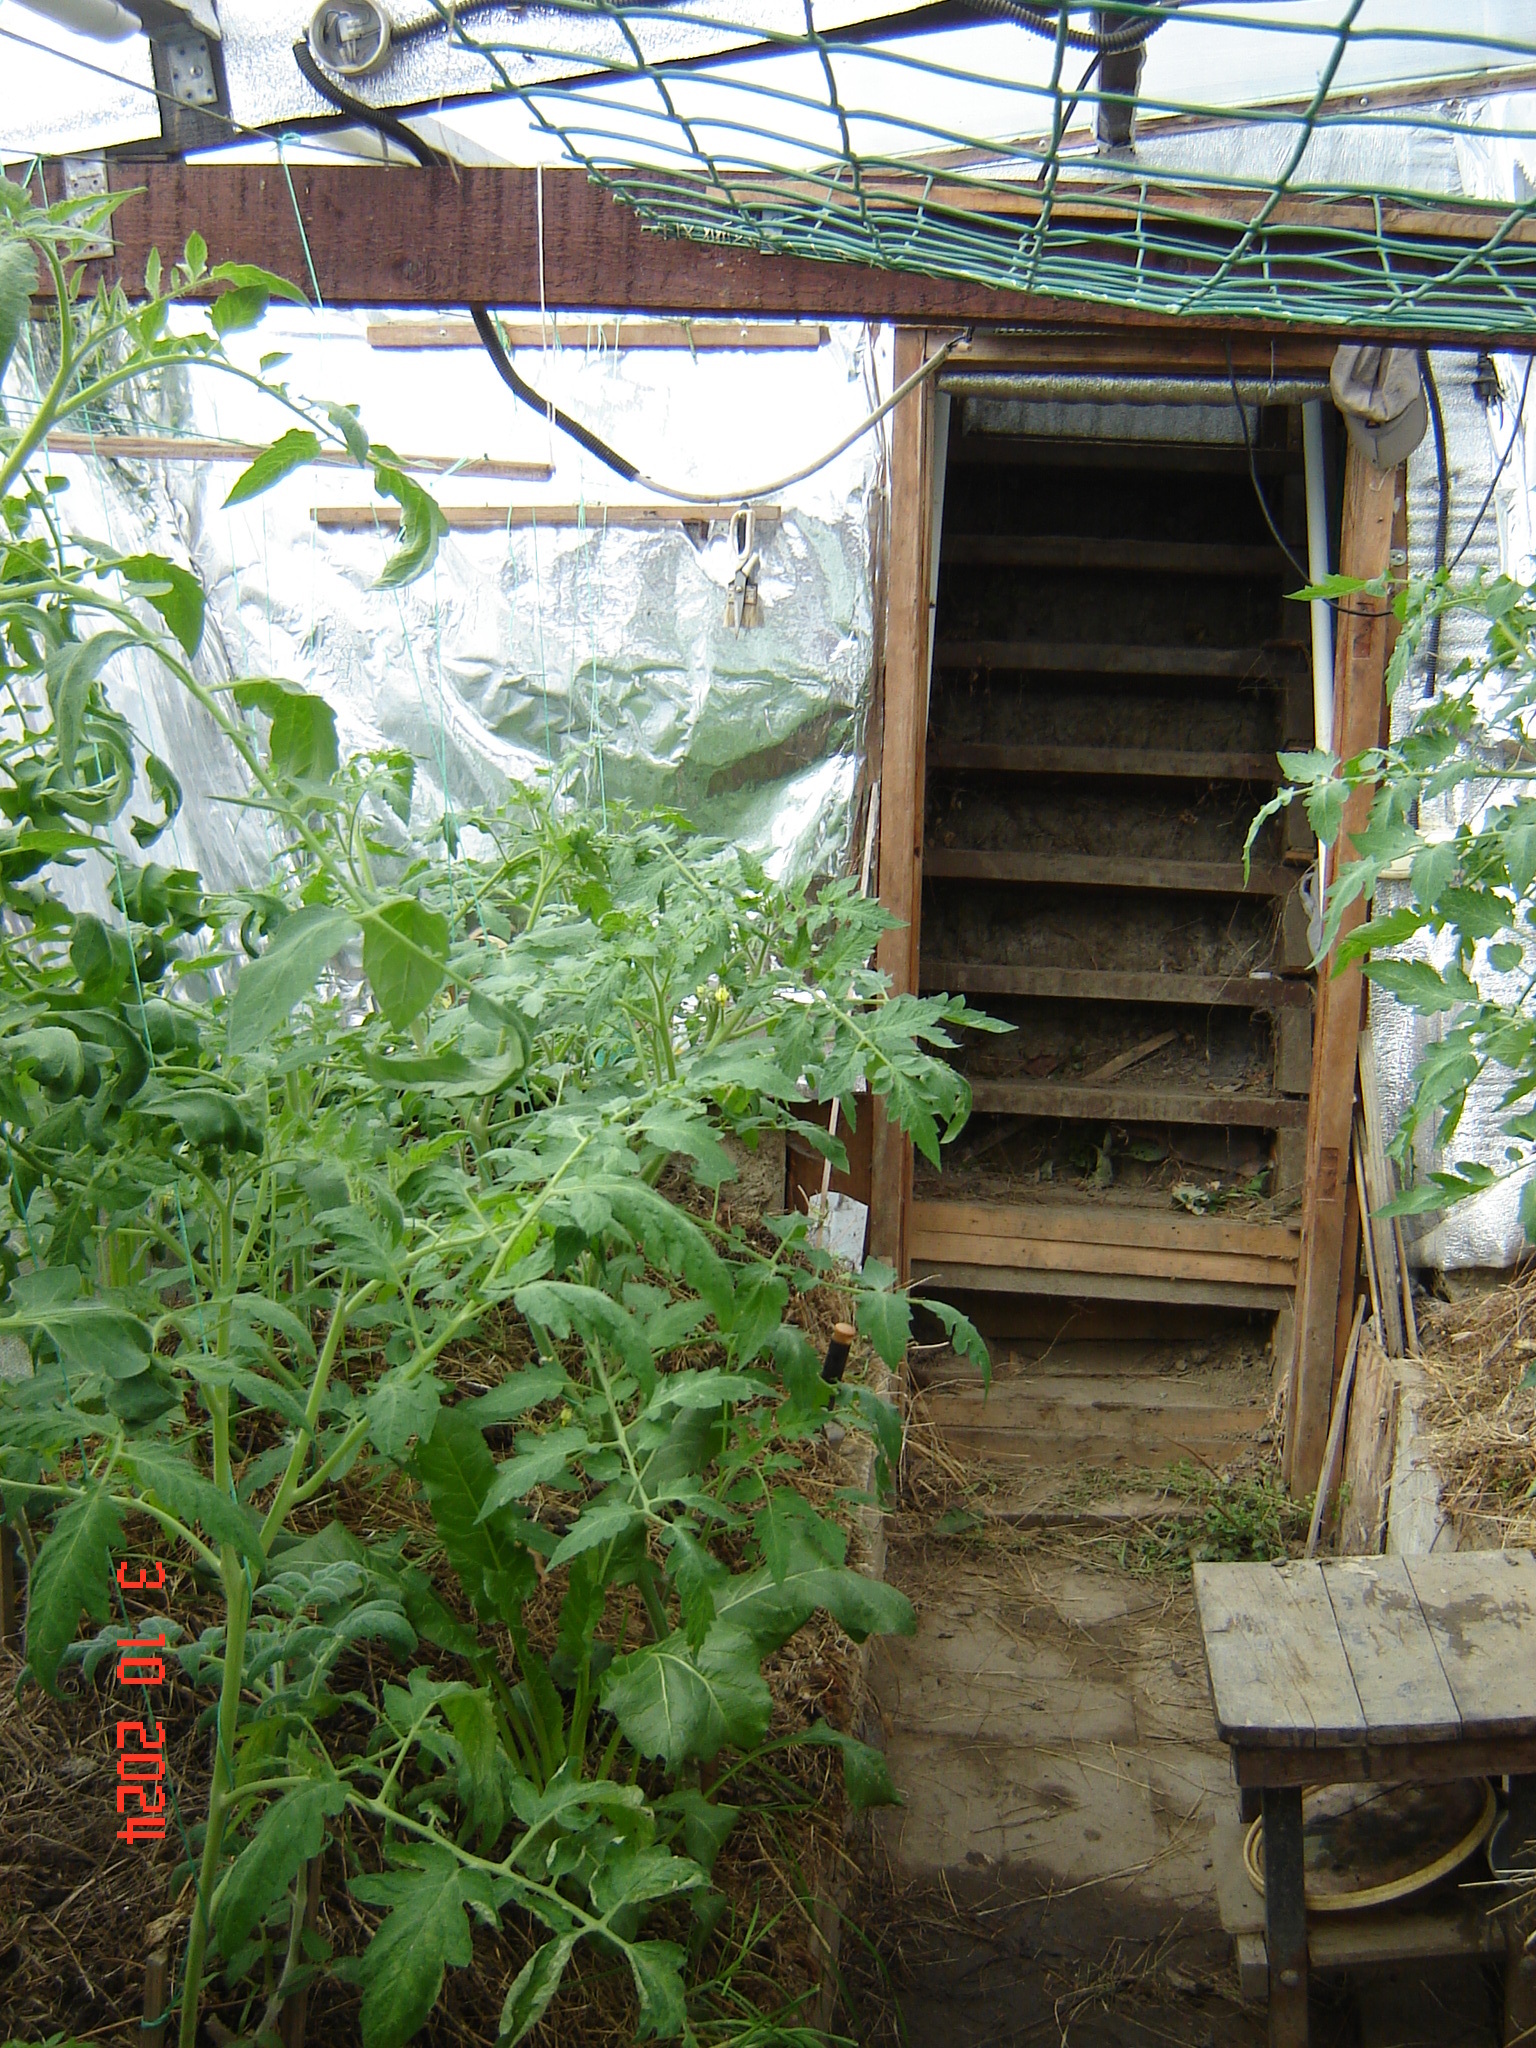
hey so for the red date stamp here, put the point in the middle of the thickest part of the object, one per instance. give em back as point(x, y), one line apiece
point(141, 1744)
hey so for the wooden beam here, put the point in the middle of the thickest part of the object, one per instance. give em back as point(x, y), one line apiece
point(1115, 871)
point(1043, 451)
point(956, 1277)
point(1235, 991)
point(498, 518)
point(1370, 502)
point(1152, 763)
point(1133, 1105)
point(902, 756)
point(407, 236)
point(1107, 1223)
point(1117, 658)
point(404, 237)
point(191, 448)
point(1136, 557)
point(696, 337)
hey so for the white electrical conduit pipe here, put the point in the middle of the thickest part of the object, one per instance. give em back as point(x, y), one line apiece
point(103, 20)
point(1322, 616)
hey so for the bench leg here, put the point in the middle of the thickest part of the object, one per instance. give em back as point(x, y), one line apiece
point(1285, 1917)
point(1520, 1924)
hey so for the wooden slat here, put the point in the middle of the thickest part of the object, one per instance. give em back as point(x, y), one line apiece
point(1093, 871)
point(697, 337)
point(1369, 1443)
point(1149, 1262)
point(1402, 1689)
point(903, 712)
point(1427, 1763)
point(192, 448)
point(1116, 658)
point(1359, 674)
point(957, 1276)
point(499, 518)
point(1104, 1223)
point(1480, 1609)
point(1279, 1675)
point(1138, 1105)
point(1074, 551)
point(1235, 991)
point(1380, 1188)
point(1152, 764)
point(1018, 451)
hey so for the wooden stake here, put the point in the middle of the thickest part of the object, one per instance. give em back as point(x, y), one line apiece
point(157, 1970)
point(1373, 1279)
point(295, 2007)
point(1333, 1454)
point(1410, 1320)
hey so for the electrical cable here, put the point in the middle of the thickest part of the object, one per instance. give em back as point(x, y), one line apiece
point(1047, 22)
point(1442, 517)
point(495, 348)
point(1253, 471)
point(1514, 435)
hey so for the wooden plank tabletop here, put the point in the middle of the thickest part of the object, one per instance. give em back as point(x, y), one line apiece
point(1371, 1651)
point(1279, 1675)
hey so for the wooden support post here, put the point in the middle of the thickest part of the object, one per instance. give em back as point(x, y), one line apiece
point(296, 2005)
point(10, 1622)
point(1370, 500)
point(1285, 1917)
point(903, 758)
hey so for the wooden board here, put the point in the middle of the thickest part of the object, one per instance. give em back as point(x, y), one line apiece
point(1069, 551)
point(1043, 451)
point(1380, 1188)
point(1154, 764)
point(1078, 870)
point(1236, 991)
point(1137, 1105)
point(957, 1276)
point(1024, 1255)
point(1116, 658)
point(1370, 503)
point(515, 518)
point(698, 337)
point(1107, 1223)
point(1392, 1659)
point(191, 448)
point(1480, 1609)
point(1279, 1675)
point(1369, 1443)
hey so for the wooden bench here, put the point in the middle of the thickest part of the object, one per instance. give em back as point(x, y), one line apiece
point(1380, 1668)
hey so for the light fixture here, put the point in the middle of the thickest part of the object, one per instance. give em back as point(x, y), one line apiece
point(349, 36)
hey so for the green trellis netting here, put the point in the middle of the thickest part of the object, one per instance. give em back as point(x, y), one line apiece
point(1321, 160)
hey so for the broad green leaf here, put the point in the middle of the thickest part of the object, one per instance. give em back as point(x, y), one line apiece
point(301, 740)
point(540, 1461)
point(271, 988)
point(518, 1392)
point(179, 1486)
point(770, 1609)
point(177, 597)
point(532, 1988)
point(1416, 983)
point(706, 1822)
point(402, 1968)
point(963, 1335)
point(657, 1968)
point(884, 1315)
point(866, 1775)
point(786, 1525)
point(400, 1408)
point(637, 1874)
point(243, 275)
point(677, 1131)
point(91, 1335)
point(457, 1472)
point(73, 1572)
point(405, 957)
point(472, 1717)
point(609, 1522)
point(422, 525)
point(291, 451)
point(235, 310)
point(18, 280)
point(289, 1833)
point(562, 1306)
point(760, 1301)
point(684, 1705)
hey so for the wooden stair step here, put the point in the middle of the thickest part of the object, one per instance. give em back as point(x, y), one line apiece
point(1108, 1223)
point(1144, 1105)
point(1081, 551)
point(1155, 764)
point(1095, 871)
point(1055, 1420)
point(1233, 991)
point(1120, 658)
point(947, 1277)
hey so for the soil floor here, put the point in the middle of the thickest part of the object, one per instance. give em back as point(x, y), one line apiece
point(1052, 1876)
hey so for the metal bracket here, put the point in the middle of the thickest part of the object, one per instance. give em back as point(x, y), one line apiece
point(743, 603)
point(85, 177)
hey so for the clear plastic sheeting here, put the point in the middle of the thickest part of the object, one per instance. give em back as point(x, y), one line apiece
point(594, 645)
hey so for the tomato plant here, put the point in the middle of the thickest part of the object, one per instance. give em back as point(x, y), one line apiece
point(270, 1155)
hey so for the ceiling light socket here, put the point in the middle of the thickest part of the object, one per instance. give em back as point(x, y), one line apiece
point(349, 36)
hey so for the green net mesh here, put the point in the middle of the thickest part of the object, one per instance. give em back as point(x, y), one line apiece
point(1279, 160)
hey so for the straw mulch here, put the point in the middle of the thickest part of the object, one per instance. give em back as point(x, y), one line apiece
point(1479, 1356)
